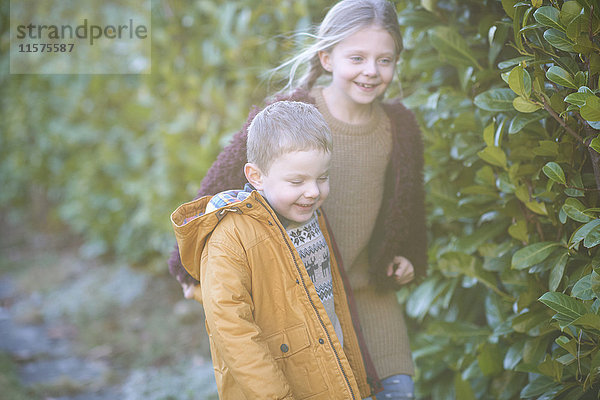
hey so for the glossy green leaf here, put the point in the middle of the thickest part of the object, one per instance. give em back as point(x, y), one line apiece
point(520, 81)
point(493, 155)
point(548, 16)
point(567, 306)
point(538, 386)
point(592, 238)
point(525, 106)
point(561, 77)
point(582, 289)
point(591, 110)
point(537, 207)
point(589, 320)
point(535, 349)
point(575, 26)
point(596, 288)
point(581, 79)
point(576, 210)
point(523, 119)
point(551, 368)
point(569, 11)
point(568, 344)
point(509, 7)
point(595, 144)
point(513, 356)
point(558, 270)
point(496, 100)
point(554, 172)
point(514, 61)
point(488, 135)
point(533, 254)
point(590, 229)
point(422, 298)
point(559, 40)
point(577, 99)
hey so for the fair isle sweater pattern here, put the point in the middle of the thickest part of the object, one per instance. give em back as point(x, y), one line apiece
point(309, 241)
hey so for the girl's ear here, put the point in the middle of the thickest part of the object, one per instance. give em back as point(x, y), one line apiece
point(325, 59)
point(254, 175)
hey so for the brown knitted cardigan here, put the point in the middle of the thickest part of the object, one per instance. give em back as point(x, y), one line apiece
point(400, 227)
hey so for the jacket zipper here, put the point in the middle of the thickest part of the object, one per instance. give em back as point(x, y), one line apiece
point(337, 357)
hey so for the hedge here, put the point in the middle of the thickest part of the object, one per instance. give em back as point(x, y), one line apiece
point(507, 94)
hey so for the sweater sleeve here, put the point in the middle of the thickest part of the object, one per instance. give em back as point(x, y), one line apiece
point(400, 229)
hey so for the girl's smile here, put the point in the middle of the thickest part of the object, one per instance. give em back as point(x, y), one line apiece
point(362, 67)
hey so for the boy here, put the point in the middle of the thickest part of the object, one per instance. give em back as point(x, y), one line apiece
point(276, 311)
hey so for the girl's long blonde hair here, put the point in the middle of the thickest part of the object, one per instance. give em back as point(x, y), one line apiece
point(343, 20)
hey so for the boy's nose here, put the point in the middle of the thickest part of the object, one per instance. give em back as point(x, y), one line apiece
point(311, 191)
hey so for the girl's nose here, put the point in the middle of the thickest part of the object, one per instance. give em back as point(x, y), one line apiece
point(370, 68)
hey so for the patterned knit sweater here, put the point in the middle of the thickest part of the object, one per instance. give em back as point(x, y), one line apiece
point(314, 253)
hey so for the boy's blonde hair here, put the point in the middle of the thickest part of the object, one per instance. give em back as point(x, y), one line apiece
point(344, 19)
point(284, 127)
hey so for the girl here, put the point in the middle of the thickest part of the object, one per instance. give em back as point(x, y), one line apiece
point(376, 205)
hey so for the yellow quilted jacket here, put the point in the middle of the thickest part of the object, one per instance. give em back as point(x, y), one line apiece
point(270, 336)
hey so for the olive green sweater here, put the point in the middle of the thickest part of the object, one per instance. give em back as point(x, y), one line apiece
point(359, 160)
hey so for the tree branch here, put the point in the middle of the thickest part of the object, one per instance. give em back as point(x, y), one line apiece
point(562, 122)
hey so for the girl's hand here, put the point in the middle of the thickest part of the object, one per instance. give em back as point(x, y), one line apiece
point(402, 270)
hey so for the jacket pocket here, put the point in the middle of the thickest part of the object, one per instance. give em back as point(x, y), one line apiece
point(291, 348)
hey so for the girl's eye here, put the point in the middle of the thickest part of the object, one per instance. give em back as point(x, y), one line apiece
point(356, 59)
point(296, 182)
point(385, 61)
point(324, 178)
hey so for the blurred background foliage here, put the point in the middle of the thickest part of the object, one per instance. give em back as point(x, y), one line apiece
point(110, 156)
point(506, 93)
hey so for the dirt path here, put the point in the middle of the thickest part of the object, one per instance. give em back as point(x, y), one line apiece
point(81, 329)
point(45, 355)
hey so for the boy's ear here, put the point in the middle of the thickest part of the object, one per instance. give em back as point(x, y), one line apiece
point(325, 59)
point(254, 175)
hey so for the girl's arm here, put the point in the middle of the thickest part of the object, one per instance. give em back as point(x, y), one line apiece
point(227, 299)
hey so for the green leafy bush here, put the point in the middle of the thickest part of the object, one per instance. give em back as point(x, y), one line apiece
point(507, 94)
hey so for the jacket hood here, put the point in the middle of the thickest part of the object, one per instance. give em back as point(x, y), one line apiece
point(193, 226)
